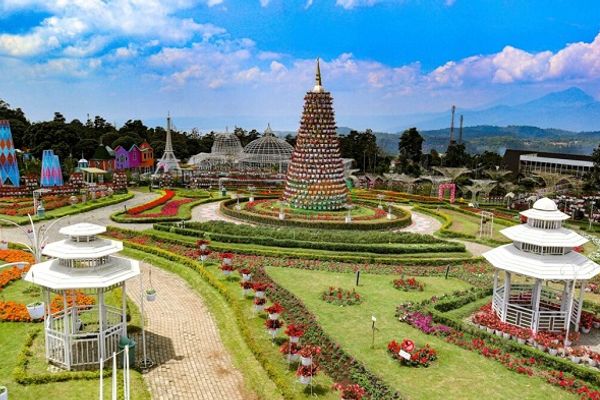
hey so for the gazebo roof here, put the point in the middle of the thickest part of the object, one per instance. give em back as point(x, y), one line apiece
point(52, 275)
point(70, 250)
point(547, 267)
point(545, 209)
point(544, 237)
point(82, 229)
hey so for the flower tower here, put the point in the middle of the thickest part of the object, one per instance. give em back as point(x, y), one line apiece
point(315, 177)
point(9, 171)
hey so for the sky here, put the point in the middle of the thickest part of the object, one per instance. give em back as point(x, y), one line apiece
point(218, 63)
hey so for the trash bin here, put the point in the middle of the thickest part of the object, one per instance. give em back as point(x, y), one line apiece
point(125, 341)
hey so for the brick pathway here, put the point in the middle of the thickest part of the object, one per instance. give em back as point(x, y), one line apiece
point(183, 341)
point(210, 212)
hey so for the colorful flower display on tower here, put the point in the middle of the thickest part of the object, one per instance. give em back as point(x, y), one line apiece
point(9, 171)
point(51, 171)
point(315, 177)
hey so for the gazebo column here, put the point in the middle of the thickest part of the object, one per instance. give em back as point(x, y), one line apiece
point(536, 294)
point(66, 332)
point(506, 299)
point(564, 303)
point(570, 305)
point(101, 324)
point(580, 304)
point(124, 310)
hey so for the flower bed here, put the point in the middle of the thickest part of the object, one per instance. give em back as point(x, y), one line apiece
point(341, 297)
point(409, 285)
point(170, 209)
point(168, 195)
point(408, 354)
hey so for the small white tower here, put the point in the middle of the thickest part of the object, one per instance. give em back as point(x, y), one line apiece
point(168, 162)
point(543, 250)
point(79, 335)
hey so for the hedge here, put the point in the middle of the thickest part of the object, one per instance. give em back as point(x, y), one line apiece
point(403, 220)
point(303, 253)
point(336, 362)
point(350, 247)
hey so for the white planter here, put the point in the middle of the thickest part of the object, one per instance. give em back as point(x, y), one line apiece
point(4, 395)
point(585, 330)
point(575, 359)
point(3, 245)
point(245, 292)
point(251, 199)
point(506, 335)
point(272, 332)
point(306, 361)
point(591, 362)
point(259, 294)
point(203, 257)
point(36, 311)
point(274, 316)
point(227, 261)
point(552, 351)
point(226, 272)
point(258, 307)
point(498, 332)
point(489, 330)
point(203, 247)
point(521, 341)
point(293, 357)
point(305, 380)
point(246, 277)
point(541, 347)
point(281, 216)
point(151, 296)
point(348, 219)
point(294, 339)
point(596, 324)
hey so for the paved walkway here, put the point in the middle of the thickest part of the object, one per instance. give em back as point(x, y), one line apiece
point(183, 341)
point(210, 212)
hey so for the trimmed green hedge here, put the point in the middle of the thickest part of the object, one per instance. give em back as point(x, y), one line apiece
point(361, 246)
point(404, 219)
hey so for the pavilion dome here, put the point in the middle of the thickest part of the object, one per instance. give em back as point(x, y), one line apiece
point(545, 204)
point(226, 144)
point(270, 145)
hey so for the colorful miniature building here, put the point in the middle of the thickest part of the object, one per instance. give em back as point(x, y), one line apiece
point(102, 159)
point(121, 158)
point(134, 157)
point(315, 176)
point(147, 164)
point(51, 171)
point(9, 171)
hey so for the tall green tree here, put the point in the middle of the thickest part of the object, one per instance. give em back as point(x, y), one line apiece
point(410, 152)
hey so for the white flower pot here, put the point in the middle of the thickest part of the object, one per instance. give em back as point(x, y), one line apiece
point(246, 277)
point(274, 316)
point(4, 395)
point(36, 311)
point(306, 361)
point(151, 296)
point(541, 347)
point(258, 307)
point(585, 330)
point(227, 261)
point(305, 380)
point(596, 324)
point(521, 341)
point(203, 247)
point(294, 339)
point(245, 292)
point(591, 362)
point(226, 272)
point(203, 257)
point(260, 294)
point(3, 246)
point(552, 351)
point(575, 359)
point(489, 330)
point(498, 332)
point(272, 332)
point(506, 335)
point(293, 357)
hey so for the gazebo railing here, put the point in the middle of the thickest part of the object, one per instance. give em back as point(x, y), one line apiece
point(519, 315)
point(551, 320)
point(498, 300)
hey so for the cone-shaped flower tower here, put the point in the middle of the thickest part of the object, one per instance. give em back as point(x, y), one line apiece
point(315, 177)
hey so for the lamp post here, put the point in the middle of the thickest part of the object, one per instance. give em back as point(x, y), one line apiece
point(380, 197)
point(349, 215)
point(389, 213)
point(251, 189)
point(145, 363)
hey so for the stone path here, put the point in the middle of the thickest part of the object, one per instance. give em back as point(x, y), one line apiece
point(182, 339)
point(210, 212)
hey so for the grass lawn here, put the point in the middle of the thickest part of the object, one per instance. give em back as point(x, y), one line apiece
point(463, 223)
point(457, 374)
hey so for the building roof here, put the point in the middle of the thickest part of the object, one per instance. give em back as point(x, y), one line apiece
point(545, 209)
point(82, 229)
point(547, 267)
point(94, 170)
point(102, 153)
point(145, 145)
point(269, 148)
point(53, 275)
point(134, 146)
point(512, 157)
point(68, 249)
point(226, 144)
point(526, 233)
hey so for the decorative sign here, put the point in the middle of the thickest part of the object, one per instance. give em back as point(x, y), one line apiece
point(404, 354)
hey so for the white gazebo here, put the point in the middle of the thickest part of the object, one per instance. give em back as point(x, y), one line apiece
point(79, 336)
point(544, 251)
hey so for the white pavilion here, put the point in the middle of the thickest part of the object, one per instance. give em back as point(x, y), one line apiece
point(80, 335)
point(542, 250)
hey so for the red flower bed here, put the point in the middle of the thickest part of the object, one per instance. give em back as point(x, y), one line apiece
point(169, 194)
point(419, 357)
point(341, 297)
point(409, 285)
point(169, 210)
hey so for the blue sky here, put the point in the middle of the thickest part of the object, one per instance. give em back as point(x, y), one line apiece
point(214, 63)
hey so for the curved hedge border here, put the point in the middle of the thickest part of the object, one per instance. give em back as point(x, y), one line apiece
point(304, 253)
point(336, 362)
point(379, 248)
point(186, 209)
point(404, 219)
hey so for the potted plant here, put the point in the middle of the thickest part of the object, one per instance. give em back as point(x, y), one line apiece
point(150, 294)
point(522, 335)
point(307, 353)
point(36, 310)
point(305, 373)
point(596, 322)
point(3, 245)
point(294, 332)
point(350, 391)
point(259, 289)
point(3, 393)
point(576, 353)
point(227, 269)
point(246, 287)
point(290, 349)
point(553, 347)
point(202, 244)
point(274, 311)
point(246, 274)
point(227, 258)
point(273, 325)
point(259, 303)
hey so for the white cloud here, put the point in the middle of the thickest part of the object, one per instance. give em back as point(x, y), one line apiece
point(349, 4)
point(264, 3)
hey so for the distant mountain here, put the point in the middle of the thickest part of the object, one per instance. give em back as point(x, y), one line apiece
point(571, 109)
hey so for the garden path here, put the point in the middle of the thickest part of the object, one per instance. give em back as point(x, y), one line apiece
point(183, 341)
point(210, 212)
point(426, 224)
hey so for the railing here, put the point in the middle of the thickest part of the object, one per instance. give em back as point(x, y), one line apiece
point(498, 301)
point(552, 320)
point(519, 316)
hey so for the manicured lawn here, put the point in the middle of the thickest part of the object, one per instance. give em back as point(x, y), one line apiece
point(12, 337)
point(463, 223)
point(457, 374)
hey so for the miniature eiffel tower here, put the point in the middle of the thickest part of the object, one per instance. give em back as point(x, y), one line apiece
point(168, 162)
